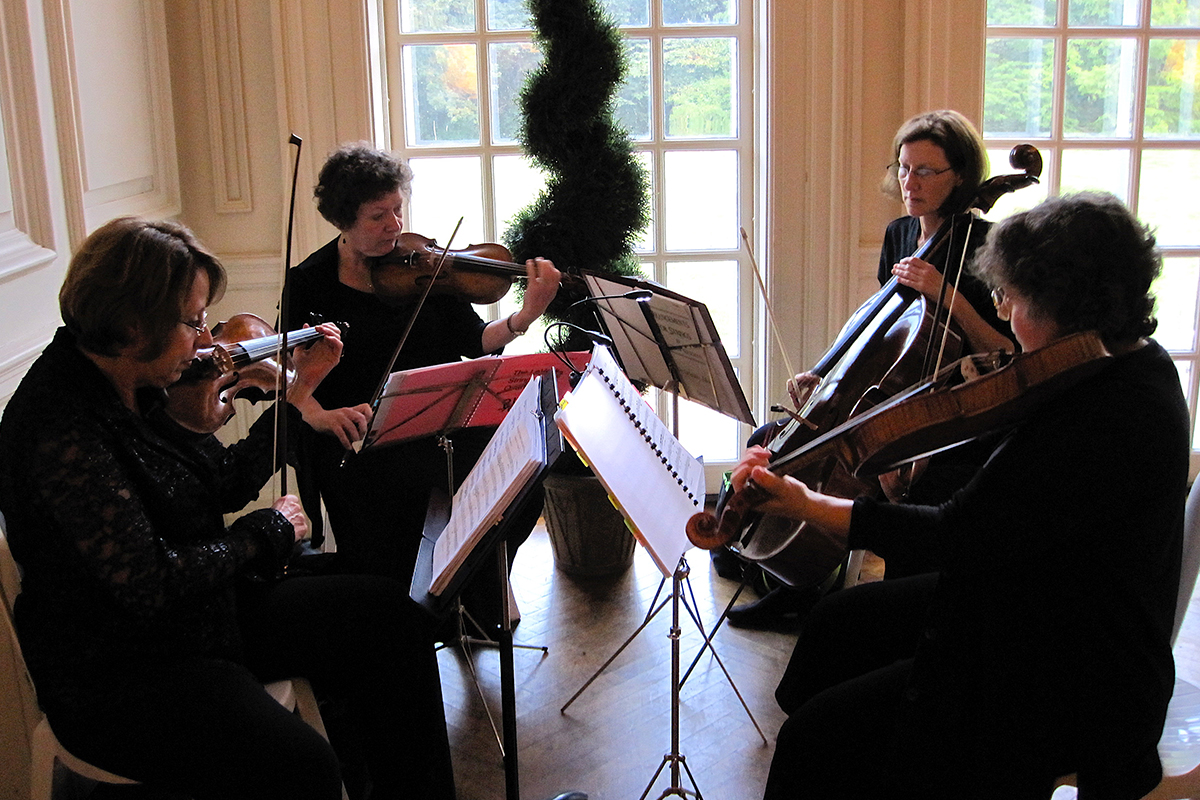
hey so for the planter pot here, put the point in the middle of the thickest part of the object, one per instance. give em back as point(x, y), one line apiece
point(587, 532)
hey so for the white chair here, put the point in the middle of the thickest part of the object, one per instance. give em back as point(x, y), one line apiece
point(1179, 747)
point(42, 750)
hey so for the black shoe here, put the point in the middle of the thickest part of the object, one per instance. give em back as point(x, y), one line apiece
point(727, 565)
point(781, 608)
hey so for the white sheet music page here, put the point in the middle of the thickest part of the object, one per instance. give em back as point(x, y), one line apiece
point(511, 458)
point(652, 478)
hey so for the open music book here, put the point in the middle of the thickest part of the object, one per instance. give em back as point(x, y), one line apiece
point(462, 394)
point(651, 478)
point(515, 455)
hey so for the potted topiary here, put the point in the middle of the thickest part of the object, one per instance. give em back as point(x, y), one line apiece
point(595, 203)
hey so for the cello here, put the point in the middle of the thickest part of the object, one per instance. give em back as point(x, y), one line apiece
point(893, 341)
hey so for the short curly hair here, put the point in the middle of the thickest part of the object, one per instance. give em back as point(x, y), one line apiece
point(131, 275)
point(962, 145)
point(1083, 260)
point(355, 174)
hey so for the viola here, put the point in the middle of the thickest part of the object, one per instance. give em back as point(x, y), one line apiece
point(894, 340)
point(979, 393)
point(479, 273)
point(243, 361)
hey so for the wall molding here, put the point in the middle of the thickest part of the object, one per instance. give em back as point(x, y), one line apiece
point(156, 197)
point(31, 244)
point(323, 73)
point(228, 134)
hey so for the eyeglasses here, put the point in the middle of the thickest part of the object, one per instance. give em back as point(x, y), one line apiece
point(922, 173)
point(199, 327)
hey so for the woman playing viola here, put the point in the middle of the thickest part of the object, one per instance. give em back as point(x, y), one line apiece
point(377, 500)
point(147, 624)
point(1042, 648)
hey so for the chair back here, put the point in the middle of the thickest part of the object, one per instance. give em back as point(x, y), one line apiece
point(20, 714)
point(1191, 557)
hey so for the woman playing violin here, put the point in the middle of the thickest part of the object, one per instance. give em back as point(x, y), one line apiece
point(377, 501)
point(148, 624)
point(1043, 646)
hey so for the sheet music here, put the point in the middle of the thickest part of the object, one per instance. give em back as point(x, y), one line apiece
point(688, 333)
point(512, 457)
point(652, 478)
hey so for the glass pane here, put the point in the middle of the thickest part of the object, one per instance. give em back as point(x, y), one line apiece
point(1018, 78)
point(518, 182)
point(628, 12)
point(645, 243)
point(1102, 13)
point(437, 16)
point(698, 12)
point(510, 63)
point(1174, 13)
point(700, 200)
point(1022, 199)
point(698, 87)
point(1100, 87)
point(1175, 292)
point(1102, 170)
point(1167, 197)
point(1025, 13)
point(508, 15)
point(442, 94)
point(445, 189)
point(632, 107)
point(704, 432)
point(714, 283)
point(1173, 89)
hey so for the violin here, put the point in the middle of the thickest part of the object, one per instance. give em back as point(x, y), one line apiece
point(479, 273)
point(979, 393)
point(243, 361)
point(888, 344)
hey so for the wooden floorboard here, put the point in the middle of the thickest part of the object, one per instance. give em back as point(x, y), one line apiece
point(613, 738)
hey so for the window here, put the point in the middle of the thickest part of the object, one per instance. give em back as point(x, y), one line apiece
point(1109, 91)
point(455, 69)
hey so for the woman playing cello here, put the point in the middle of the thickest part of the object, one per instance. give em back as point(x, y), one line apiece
point(1042, 648)
point(938, 163)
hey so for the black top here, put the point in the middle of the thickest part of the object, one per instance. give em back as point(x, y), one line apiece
point(116, 519)
point(446, 329)
point(1053, 614)
point(900, 241)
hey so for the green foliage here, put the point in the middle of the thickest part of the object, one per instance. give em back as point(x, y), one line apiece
point(596, 198)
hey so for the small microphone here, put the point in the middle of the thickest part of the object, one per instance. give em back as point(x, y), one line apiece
point(640, 295)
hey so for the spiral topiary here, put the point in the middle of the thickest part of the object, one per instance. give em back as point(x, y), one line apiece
point(596, 197)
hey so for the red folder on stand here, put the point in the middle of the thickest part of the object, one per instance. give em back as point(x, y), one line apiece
point(464, 394)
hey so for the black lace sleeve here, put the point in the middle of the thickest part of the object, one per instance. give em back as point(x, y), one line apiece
point(131, 515)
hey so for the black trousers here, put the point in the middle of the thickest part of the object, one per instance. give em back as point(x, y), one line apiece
point(842, 691)
point(205, 728)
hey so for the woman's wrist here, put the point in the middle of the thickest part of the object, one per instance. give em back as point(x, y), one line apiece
point(515, 328)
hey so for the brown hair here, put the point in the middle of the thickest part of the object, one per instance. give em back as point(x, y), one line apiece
point(134, 274)
point(962, 145)
point(355, 174)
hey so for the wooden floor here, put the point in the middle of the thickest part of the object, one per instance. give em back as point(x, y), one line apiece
point(612, 739)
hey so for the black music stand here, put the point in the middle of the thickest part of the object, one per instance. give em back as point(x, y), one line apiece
point(669, 341)
point(436, 400)
point(476, 556)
